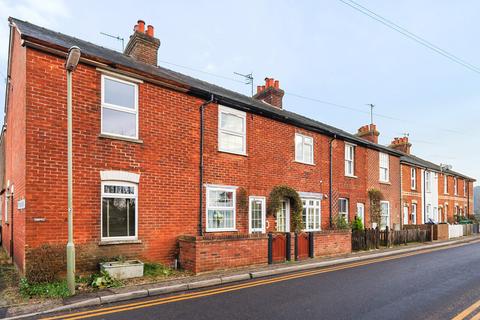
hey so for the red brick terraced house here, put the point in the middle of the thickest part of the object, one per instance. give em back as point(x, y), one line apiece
point(430, 191)
point(169, 167)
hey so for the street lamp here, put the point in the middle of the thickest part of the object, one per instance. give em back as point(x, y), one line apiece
point(73, 57)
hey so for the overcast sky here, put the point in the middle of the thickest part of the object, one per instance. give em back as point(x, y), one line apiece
point(323, 50)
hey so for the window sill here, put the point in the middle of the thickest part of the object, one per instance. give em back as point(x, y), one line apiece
point(350, 176)
point(221, 230)
point(301, 162)
point(386, 182)
point(115, 242)
point(234, 153)
point(108, 136)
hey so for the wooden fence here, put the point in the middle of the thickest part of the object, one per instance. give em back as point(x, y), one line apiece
point(375, 238)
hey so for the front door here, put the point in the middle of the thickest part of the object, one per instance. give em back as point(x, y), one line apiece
point(361, 212)
point(283, 217)
point(405, 215)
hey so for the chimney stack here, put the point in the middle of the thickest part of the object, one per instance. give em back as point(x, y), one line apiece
point(270, 93)
point(368, 132)
point(143, 46)
point(401, 144)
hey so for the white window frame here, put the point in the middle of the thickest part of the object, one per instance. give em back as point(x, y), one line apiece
point(455, 186)
point(414, 213)
point(428, 181)
point(6, 206)
point(385, 165)
point(362, 206)
point(226, 110)
point(221, 188)
point(445, 184)
point(464, 187)
point(347, 207)
point(264, 214)
point(119, 108)
point(304, 143)
point(306, 207)
point(349, 147)
point(117, 195)
point(413, 178)
point(388, 215)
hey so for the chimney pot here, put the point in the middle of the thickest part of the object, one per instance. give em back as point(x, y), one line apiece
point(143, 46)
point(270, 92)
point(150, 30)
point(141, 26)
point(369, 132)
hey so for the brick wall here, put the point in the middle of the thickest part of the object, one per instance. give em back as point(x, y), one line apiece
point(449, 200)
point(202, 254)
point(411, 196)
point(390, 190)
point(15, 158)
point(168, 188)
point(210, 253)
point(332, 242)
point(352, 188)
point(270, 161)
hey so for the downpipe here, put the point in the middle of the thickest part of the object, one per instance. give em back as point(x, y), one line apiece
point(202, 133)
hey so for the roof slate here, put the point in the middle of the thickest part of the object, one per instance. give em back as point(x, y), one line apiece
point(33, 32)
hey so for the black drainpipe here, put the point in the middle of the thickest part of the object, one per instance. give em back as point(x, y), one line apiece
point(468, 198)
point(200, 210)
point(330, 205)
point(11, 227)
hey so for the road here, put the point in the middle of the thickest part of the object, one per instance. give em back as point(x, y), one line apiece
point(437, 284)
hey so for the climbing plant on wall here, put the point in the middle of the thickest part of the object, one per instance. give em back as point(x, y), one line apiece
point(280, 193)
point(375, 210)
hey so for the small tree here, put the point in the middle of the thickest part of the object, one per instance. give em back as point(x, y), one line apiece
point(357, 224)
point(375, 210)
point(340, 223)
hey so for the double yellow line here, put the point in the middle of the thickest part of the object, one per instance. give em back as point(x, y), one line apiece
point(215, 291)
point(465, 313)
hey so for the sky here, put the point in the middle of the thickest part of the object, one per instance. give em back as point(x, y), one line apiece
point(322, 50)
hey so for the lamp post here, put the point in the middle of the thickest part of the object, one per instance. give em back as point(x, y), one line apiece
point(71, 63)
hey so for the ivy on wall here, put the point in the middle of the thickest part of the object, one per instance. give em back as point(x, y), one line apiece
point(375, 210)
point(280, 193)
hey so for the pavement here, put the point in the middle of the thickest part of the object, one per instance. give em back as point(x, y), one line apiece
point(351, 284)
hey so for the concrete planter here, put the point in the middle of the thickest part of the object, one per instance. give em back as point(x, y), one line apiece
point(123, 269)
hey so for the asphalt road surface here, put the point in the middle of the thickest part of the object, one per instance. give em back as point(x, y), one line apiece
point(437, 284)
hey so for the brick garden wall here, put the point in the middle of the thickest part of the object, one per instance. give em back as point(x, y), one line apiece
point(331, 243)
point(202, 254)
point(210, 253)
